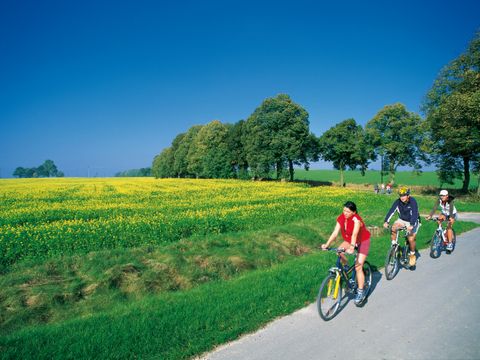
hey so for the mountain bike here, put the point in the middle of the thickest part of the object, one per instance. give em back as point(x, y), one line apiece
point(439, 240)
point(397, 254)
point(340, 279)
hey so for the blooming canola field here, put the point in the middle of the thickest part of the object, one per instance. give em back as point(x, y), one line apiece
point(65, 216)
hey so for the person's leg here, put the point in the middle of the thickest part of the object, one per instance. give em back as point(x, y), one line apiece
point(396, 225)
point(412, 245)
point(451, 221)
point(359, 270)
point(343, 258)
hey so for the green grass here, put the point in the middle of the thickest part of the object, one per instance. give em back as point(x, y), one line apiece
point(181, 324)
point(181, 298)
point(427, 178)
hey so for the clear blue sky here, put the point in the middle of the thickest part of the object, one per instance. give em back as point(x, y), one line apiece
point(104, 86)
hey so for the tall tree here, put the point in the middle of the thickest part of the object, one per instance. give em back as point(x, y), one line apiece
point(212, 157)
point(344, 145)
point(48, 169)
point(235, 140)
point(162, 166)
point(396, 135)
point(185, 143)
point(278, 137)
point(452, 108)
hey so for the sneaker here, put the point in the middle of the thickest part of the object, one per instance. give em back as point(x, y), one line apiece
point(412, 260)
point(450, 247)
point(359, 296)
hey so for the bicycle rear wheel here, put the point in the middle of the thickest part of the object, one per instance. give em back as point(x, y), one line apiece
point(330, 296)
point(392, 262)
point(367, 287)
point(435, 250)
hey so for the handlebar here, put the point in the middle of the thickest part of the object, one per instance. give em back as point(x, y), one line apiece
point(341, 250)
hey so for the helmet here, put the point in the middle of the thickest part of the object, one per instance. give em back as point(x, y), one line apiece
point(403, 191)
point(443, 193)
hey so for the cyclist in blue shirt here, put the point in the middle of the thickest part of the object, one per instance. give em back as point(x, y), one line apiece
point(407, 209)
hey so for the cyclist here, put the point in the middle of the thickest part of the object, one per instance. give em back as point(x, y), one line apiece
point(355, 234)
point(407, 209)
point(448, 212)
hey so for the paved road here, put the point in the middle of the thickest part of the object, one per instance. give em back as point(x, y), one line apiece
point(430, 313)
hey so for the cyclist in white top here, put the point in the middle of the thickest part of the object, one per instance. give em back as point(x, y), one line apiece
point(448, 212)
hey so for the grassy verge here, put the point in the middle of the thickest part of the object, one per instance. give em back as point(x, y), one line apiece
point(181, 324)
point(427, 178)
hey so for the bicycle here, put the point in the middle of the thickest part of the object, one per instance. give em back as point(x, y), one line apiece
point(340, 279)
point(397, 255)
point(439, 240)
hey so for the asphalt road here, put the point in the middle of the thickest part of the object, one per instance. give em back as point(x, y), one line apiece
point(430, 313)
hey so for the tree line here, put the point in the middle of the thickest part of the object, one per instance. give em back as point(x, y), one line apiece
point(135, 172)
point(47, 169)
point(276, 137)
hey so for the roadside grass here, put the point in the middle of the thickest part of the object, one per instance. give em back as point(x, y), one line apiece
point(426, 178)
point(184, 323)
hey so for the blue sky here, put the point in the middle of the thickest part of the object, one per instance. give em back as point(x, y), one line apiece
point(104, 86)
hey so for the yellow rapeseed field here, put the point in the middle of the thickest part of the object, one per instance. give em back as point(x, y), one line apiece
point(51, 217)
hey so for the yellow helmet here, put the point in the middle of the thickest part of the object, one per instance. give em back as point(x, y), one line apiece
point(402, 191)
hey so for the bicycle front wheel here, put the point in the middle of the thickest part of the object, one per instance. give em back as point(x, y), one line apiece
point(392, 262)
point(329, 296)
point(435, 250)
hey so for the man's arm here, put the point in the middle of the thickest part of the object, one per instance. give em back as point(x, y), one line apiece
point(391, 211)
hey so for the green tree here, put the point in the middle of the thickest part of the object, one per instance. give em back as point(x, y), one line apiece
point(47, 169)
point(210, 156)
point(20, 172)
point(345, 146)
point(235, 141)
point(277, 137)
point(396, 135)
point(452, 108)
point(162, 166)
point(184, 145)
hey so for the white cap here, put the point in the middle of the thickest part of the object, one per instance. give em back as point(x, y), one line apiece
point(443, 192)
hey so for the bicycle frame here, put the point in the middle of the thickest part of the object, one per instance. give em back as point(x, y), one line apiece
point(341, 279)
point(348, 275)
point(439, 240)
point(403, 248)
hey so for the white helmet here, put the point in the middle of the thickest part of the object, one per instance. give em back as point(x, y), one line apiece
point(443, 193)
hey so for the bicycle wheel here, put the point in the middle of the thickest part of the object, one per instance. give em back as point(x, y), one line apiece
point(367, 287)
point(392, 262)
point(329, 296)
point(435, 245)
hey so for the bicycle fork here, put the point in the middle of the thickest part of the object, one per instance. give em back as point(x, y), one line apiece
point(335, 284)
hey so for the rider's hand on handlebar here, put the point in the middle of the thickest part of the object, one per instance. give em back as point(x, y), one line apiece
point(349, 250)
point(324, 246)
point(385, 225)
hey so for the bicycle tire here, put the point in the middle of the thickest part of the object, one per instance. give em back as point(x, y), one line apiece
point(367, 287)
point(327, 305)
point(392, 262)
point(435, 250)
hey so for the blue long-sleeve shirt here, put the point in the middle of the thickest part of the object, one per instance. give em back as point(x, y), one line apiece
point(406, 211)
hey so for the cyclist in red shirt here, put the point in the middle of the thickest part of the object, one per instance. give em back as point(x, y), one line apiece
point(354, 234)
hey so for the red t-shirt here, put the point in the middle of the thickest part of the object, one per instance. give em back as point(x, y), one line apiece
point(347, 225)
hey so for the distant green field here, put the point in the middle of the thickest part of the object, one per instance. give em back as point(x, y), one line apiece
point(427, 178)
